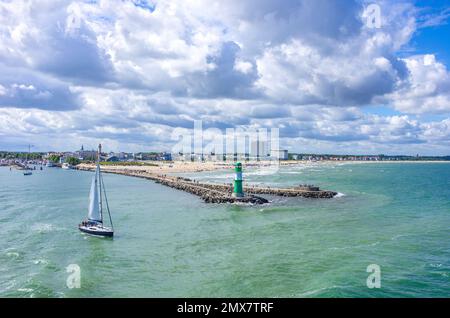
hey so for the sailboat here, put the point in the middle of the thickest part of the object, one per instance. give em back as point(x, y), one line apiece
point(94, 223)
point(27, 171)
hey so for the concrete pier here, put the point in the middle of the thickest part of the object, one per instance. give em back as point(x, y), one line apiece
point(223, 193)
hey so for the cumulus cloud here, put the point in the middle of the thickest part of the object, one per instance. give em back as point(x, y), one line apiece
point(53, 37)
point(129, 72)
point(427, 88)
point(23, 88)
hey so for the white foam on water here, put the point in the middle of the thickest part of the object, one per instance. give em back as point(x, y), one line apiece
point(292, 172)
point(43, 227)
point(61, 294)
point(13, 254)
point(262, 172)
point(315, 291)
point(40, 261)
point(25, 290)
point(397, 236)
point(354, 246)
point(339, 195)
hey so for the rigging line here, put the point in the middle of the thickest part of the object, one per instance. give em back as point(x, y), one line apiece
point(100, 193)
point(107, 205)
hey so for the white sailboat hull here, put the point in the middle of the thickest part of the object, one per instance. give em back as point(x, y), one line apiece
point(97, 230)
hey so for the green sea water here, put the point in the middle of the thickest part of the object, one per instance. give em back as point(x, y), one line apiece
point(171, 244)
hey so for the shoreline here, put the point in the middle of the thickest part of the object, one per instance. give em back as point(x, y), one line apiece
point(158, 168)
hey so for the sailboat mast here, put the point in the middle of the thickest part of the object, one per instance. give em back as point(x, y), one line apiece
point(100, 182)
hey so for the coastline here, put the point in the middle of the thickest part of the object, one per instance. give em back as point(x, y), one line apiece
point(173, 168)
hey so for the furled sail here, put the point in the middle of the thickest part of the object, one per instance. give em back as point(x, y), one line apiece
point(94, 207)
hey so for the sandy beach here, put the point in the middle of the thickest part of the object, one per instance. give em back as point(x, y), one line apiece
point(189, 167)
point(163, 167)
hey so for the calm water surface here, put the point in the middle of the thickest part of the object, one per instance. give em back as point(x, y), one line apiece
point(170, 243)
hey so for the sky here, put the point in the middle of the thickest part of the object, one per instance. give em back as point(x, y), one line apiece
point(333, 76)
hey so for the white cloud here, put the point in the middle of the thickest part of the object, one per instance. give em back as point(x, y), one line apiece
point(243, 66)
point(427, 88)
point(129, 73)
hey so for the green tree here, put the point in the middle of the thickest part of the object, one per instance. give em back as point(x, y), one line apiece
point(73, 161)
point(54, 158)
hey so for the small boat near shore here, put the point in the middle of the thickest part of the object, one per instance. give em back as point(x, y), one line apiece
point(66, 166)
point(94, 225)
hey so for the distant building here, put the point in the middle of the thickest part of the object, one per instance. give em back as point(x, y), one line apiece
point(85, 154)
point(155, 156)
point(166, 156)
point(280, 154)
point(112, 159)
point(122, 156)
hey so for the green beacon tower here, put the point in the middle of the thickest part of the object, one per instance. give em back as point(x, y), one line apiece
point(237, 190)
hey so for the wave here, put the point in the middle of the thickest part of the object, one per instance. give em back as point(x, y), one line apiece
point(292, 172)
point(43, 227)
point(354, 246)
point(398, 236)
point(13, 254)
point(263, 172)
point(40, 262)
point(318, 290)
point(339, 195)
point(25, 290)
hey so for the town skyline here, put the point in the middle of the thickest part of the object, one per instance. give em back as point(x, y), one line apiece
point(161, 155)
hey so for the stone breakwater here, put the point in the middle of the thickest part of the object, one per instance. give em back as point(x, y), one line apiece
point(221, 193)
point(283, 192)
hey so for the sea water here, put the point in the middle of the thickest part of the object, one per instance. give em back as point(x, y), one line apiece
point(171, 244)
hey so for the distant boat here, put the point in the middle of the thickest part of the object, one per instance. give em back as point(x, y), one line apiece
point(49, 164)
point(94, 223)
point(66, 166)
